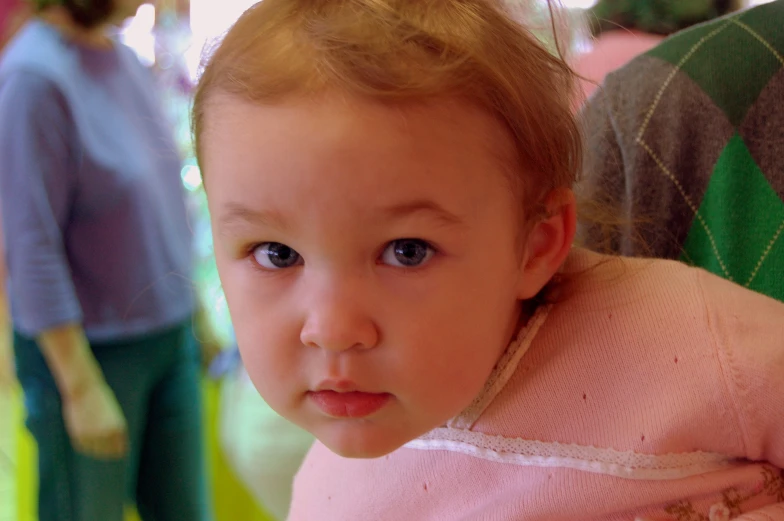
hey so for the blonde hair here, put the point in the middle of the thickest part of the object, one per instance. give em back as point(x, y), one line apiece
point(407, 51)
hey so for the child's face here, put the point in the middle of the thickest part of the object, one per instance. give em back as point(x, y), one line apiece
point(369, 255)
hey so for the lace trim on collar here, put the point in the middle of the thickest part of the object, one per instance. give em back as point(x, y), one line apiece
point(503, 371)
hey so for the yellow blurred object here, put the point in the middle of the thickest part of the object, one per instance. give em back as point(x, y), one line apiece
point(230, 499)
point(8, 454)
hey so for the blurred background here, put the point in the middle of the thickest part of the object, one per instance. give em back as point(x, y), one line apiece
point(169, 37)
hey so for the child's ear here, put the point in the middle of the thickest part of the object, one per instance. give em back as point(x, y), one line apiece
point(548, 243)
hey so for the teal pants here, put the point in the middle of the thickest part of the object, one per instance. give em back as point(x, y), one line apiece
point(156, 381)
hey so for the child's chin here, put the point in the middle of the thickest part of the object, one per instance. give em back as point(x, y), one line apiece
point(362, 452)
point(364, 445)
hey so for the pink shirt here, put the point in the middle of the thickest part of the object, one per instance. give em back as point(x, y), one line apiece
point(611, 50)
point(655, 392)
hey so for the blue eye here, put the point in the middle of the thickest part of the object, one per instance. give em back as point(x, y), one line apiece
point(275, 256)
point(407, 253)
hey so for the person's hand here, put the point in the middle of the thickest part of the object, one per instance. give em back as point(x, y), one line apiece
point(7, 372)
point(210, 345)
point(93, 418)
point(209, 348)
point(95, 422)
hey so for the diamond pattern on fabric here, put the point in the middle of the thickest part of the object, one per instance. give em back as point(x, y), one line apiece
point(746, 219)
point(752, 70)
point(765, 21)
point(672, 49)
point(763, 132)
point(685, 175)
point(733, 65)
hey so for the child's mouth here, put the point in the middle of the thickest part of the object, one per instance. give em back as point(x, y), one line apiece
point(354, 404)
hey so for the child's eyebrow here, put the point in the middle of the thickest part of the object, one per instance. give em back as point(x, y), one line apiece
point(425, 206)
point(237, 214)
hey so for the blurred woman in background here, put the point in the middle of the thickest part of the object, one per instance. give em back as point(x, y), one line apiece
point(98, 254)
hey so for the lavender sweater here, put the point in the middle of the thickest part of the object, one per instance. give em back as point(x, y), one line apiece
point(93, 210)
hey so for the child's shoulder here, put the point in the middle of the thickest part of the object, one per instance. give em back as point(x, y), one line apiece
point(656, 281)
point(646, 291)
point(677, 342)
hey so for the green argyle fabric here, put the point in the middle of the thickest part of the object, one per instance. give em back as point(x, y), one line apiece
point(686, 143)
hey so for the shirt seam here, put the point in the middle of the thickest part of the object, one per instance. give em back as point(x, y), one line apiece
point(726, 371)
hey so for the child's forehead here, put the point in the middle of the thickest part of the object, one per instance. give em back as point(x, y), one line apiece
point(439, 125)
point(356, 153)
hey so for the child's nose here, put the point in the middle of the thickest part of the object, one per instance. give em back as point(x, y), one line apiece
point(337, 322)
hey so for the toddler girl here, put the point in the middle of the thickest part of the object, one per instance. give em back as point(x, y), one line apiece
point(390, 188)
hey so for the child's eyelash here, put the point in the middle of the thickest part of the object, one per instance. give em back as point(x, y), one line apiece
point(248, 250)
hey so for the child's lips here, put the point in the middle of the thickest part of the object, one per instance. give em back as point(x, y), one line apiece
point(349, 404)
point(337, 385)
